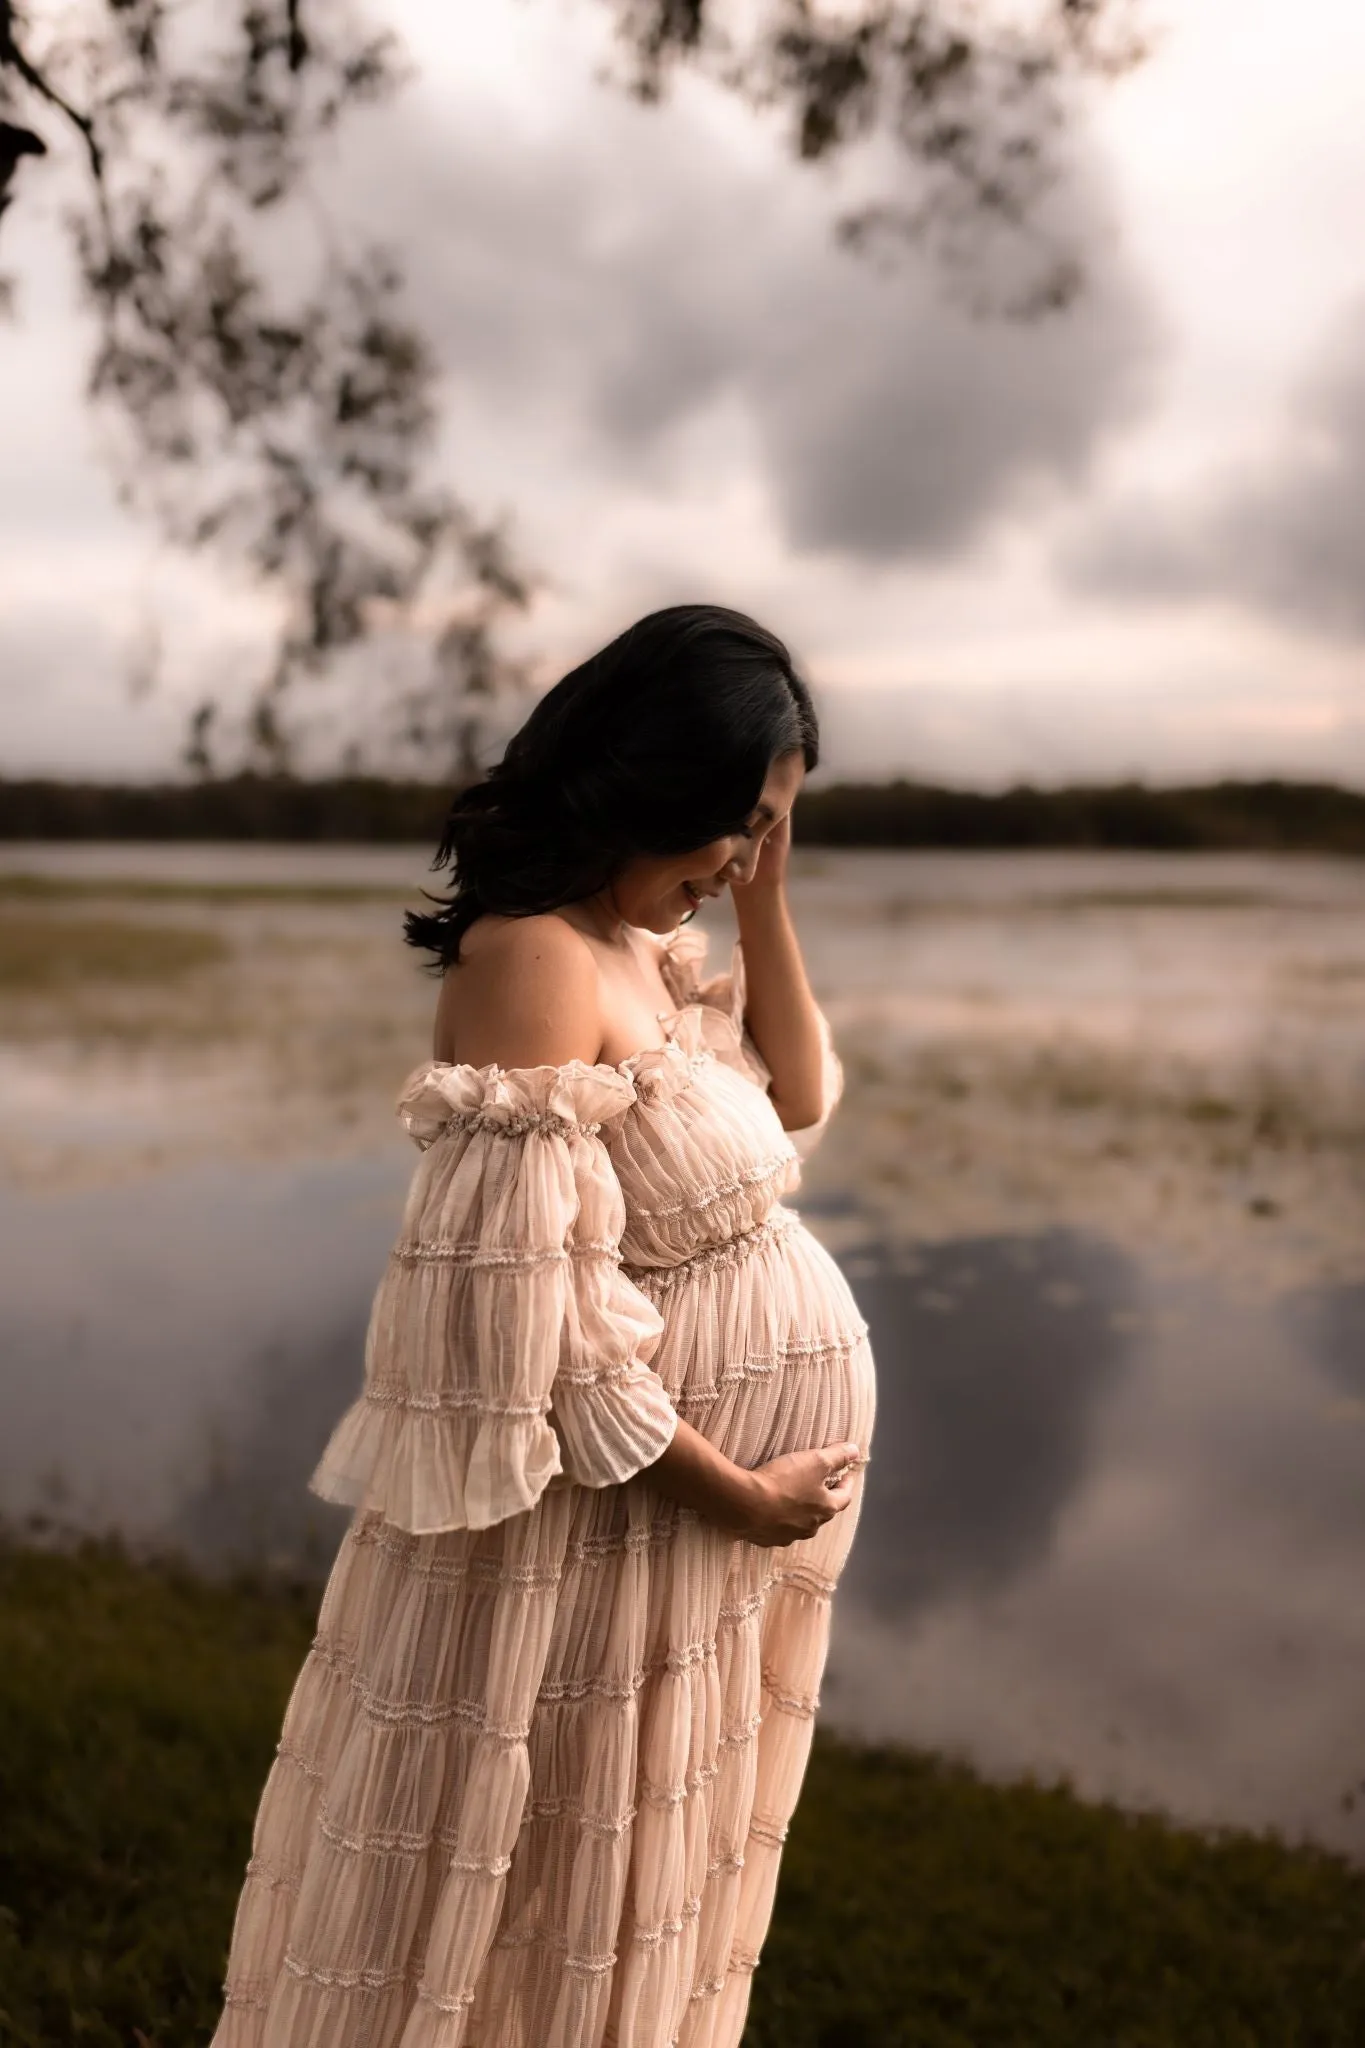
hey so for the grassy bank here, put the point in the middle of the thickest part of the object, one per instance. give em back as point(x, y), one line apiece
point(920, 1908)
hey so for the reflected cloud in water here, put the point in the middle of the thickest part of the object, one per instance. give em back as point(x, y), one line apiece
point(1330, 1321)
point(1113, 1523)
point(177, 1351)
point(994, 1357)
point(1140, 1524)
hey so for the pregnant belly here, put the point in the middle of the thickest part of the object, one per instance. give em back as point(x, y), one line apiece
point(764, 1349)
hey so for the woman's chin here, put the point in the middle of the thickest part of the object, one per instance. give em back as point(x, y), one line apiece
point(670, 911)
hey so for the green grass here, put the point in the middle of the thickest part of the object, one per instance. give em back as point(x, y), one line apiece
point(138, 1712)
point(43, 954)
point(139, 1708)
point(922, 1908)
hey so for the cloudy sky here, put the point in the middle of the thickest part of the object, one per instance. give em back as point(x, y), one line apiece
point(1123, 541)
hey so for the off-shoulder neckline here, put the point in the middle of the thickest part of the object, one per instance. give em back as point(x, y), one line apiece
point(625, 1067)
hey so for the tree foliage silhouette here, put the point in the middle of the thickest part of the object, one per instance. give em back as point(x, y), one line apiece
point(273, 398)
point(976, 100)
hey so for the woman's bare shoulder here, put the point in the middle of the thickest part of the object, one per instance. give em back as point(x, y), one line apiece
point(524, 993)
point(544, 935)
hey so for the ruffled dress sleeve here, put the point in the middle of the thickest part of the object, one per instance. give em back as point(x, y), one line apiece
point(505, 1345)
point(724, 995)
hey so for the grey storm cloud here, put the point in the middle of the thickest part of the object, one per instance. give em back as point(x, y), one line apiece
point(633, 269)
point(1281, 536)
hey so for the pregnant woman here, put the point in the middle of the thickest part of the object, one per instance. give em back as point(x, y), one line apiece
point(538, 1767)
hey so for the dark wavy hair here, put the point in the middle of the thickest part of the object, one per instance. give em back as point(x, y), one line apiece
point(659, 743)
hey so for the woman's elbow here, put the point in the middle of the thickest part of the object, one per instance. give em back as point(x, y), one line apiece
point(798, 1112)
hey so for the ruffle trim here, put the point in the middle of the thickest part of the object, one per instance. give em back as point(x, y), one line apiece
point(612, 1426)
point(713, 1010)
point(722, 997)
point(438, 1098)
point(429, 1470)
point(707, 1023)
point(576, 1096)
point(684, 955)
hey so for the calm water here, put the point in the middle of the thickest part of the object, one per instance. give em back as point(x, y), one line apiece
point(1114, 1519)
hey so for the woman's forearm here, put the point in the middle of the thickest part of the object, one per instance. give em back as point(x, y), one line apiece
point(694, 1473)
point(780, 1012)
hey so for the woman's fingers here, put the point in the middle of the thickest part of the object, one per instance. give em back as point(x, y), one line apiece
point(807, 1489)
point(840, 1461)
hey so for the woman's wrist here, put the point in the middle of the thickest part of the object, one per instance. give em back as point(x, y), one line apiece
point(757, 902)
point(693, 1472)
point(745, 1490)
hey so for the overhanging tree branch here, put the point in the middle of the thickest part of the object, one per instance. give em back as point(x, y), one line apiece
point(277, 412)
point(279, 409)
point(975, 100)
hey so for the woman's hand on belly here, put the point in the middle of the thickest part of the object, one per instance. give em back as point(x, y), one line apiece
point(784, 1501)
point(798, 1493)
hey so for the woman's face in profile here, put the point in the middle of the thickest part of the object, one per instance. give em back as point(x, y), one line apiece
point(656, 890)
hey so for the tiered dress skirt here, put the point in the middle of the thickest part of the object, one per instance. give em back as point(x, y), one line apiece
point(537, 1769)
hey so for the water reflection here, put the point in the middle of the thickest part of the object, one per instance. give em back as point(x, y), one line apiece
point(994, 1358)
point(1330, 1321)
point(1141, 1546)
point(1114, 1517)
point(176, 1353)
point(248, 1497)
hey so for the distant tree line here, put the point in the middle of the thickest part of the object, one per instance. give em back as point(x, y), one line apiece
point(1270, 816)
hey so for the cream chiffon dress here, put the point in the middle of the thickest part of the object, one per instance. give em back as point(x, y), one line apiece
point(538, 1766)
